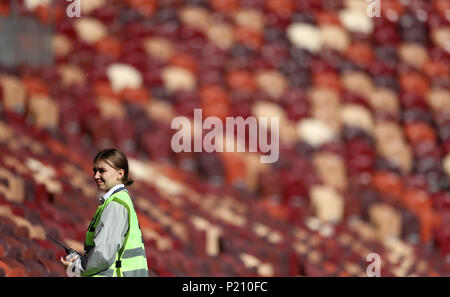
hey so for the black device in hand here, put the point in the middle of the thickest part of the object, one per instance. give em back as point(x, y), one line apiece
point(66, 249)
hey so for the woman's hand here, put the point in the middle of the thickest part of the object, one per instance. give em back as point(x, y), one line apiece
point(69, 259)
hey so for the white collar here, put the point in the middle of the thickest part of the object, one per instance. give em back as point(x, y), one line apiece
point(109, 193)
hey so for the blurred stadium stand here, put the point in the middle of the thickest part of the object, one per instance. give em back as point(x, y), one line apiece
point(364, 108)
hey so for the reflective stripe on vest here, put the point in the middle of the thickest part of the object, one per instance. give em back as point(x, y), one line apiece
point(133, 253)
point(133, 273)
point(136, 273)
point(130, 260)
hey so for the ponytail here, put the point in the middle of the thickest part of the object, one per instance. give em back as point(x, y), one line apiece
point(128, 181)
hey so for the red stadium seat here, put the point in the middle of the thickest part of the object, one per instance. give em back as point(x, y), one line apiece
point(53, 267)
point(17, 272)
point(5, 267)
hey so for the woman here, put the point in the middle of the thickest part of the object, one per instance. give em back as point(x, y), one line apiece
point(114, 245)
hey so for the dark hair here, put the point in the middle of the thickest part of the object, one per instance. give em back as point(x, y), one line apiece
point(117, 160)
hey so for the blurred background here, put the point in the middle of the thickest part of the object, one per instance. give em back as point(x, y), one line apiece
point(364, 109)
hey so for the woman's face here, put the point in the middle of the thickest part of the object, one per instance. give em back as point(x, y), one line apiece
point(106, 176)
